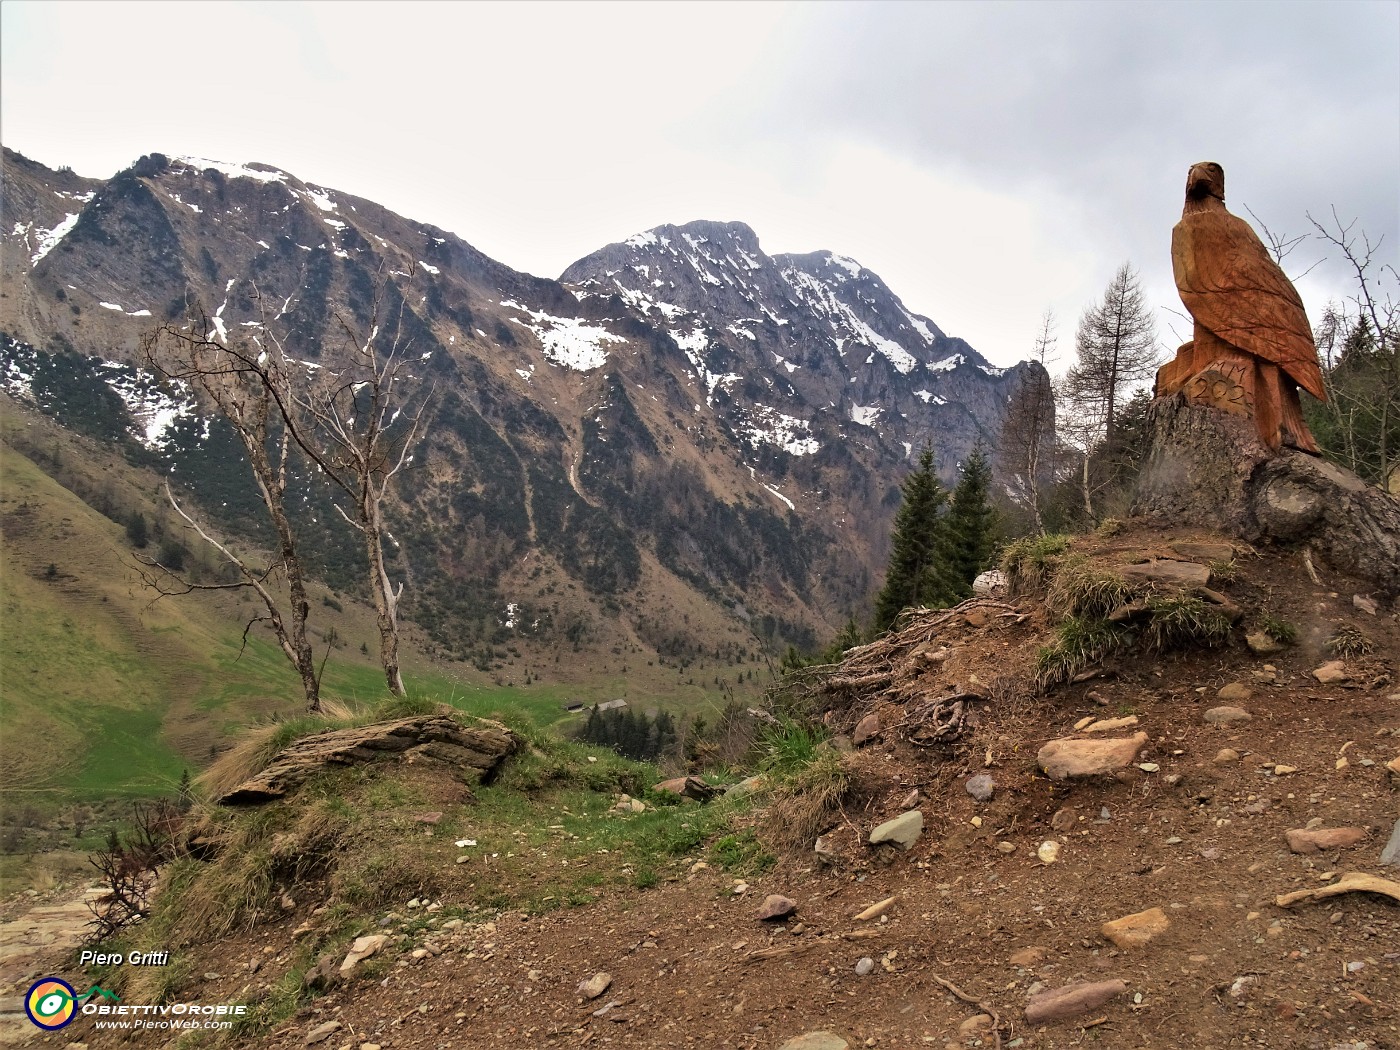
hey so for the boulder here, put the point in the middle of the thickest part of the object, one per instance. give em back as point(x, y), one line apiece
point(1031, 956)
point(362, 949)
point(1066, 758)
point(1332, 672)
point(990, 584)
point(1203, 551)
point(776, 906)
point(816, 1041)
point(981, 787)
point(690, 787)
point(1261, 643)
point(866, 730)
point(592, 987)
point(1209, 468)
point(1167, 571)
point(321, 1033)
point(1111, 725)
point(1390, 856)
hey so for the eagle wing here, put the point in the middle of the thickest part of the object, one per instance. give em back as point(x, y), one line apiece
point(1233, 288)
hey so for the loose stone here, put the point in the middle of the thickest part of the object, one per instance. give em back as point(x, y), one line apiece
point(1134, 931)
point(1312, 840)
point(903, 831)
point(981, 787)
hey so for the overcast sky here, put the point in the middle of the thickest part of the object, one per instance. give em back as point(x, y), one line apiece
point(988, 160)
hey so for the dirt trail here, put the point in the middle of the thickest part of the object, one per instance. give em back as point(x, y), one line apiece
point(38, 942)
point(1195, 823)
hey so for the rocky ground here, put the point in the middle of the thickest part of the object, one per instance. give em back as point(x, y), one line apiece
point(1223, 780)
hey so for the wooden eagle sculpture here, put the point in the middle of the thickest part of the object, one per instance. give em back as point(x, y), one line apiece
point(1252, 346)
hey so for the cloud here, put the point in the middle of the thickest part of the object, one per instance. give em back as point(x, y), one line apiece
point(987, 159)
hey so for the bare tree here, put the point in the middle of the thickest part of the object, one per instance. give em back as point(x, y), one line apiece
point(1115, 350)
point(235, 384)
point(357, 417)
point(1026, 446)
point(1359, 342)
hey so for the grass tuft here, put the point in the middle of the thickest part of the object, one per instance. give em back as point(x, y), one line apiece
point(742, 853)
point(789, 746)
point(1081, 643)
point(1279, 629)
point(807, 801)
point(1183, 620)
point(1348, 642)
point(1029, 561)
point(1227, 571)
point(1082, 589)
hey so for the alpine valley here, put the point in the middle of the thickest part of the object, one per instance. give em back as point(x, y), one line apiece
point(682, 447)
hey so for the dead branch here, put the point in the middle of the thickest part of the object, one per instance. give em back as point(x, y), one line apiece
point(980, 1004)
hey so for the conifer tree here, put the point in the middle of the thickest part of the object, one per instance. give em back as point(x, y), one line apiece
point(969, 526)
point(914, 576)
point(137, 532)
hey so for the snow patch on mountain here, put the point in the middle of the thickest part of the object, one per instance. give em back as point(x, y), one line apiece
point(152, 407)
point(768, 426)
point(823, 301)
point(646, 304)
point(48, 239)
point(234, 171)
point(865, 415)
point(790, 504)
point(849, 265)
point(570, 342)
point(694, 344)
point(318, 197)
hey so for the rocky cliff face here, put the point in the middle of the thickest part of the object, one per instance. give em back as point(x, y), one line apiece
point(790, 345)
point(683, 444)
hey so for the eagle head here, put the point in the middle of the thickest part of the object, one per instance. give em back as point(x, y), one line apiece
point(1205, 179)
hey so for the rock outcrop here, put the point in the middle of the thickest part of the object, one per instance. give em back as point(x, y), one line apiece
point(472, 752)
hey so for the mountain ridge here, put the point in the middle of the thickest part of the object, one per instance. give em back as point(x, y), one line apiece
point(611, 463)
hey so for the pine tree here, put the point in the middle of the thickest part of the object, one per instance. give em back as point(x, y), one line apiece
point(593, 728)
point(138, 534)
point(914, 576)
point(969, 527)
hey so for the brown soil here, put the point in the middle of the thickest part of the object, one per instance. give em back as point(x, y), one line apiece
point(1203, 841)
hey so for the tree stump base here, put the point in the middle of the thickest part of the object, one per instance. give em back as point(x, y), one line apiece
point(1209, 468)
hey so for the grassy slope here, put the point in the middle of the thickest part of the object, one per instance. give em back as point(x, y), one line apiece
point(105, 693)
